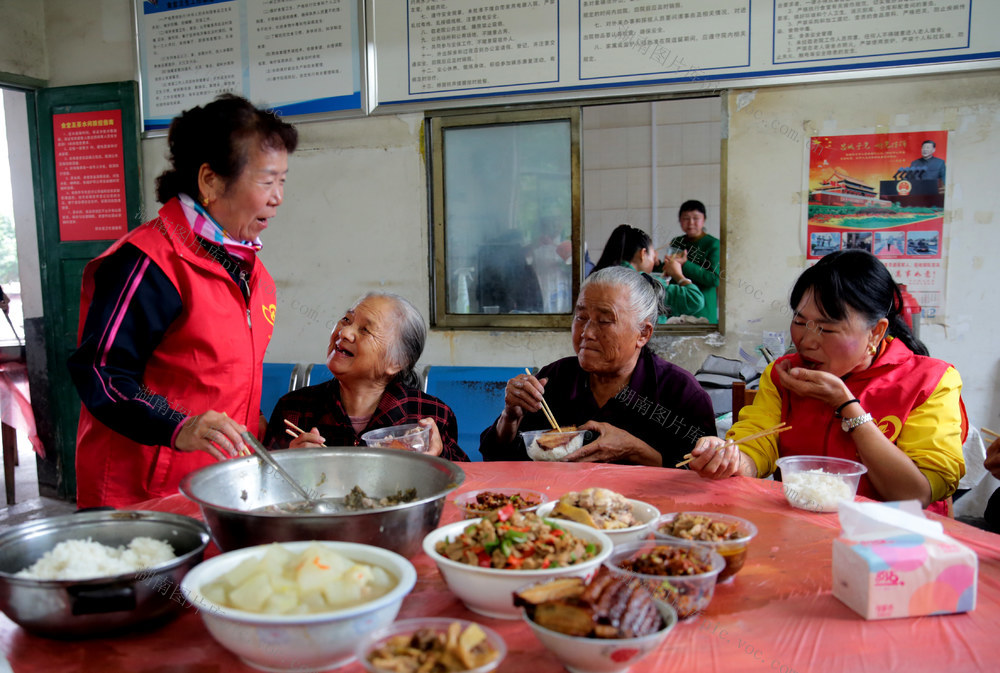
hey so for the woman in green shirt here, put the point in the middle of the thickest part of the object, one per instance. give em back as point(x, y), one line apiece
point(633, 248)
point(702, 265)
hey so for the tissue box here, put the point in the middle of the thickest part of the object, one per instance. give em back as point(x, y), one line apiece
point(904, 575)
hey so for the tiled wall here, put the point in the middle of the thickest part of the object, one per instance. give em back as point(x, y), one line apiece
point(619, 174)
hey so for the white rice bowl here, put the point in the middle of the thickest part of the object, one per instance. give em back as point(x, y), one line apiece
point(818, 483)
point(816, 490)
point(540, 453)
point(86, 559)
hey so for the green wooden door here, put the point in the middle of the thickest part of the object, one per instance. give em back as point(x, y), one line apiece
point(61, 262)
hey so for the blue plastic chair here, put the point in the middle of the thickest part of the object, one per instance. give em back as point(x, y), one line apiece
point(475, 394)
point(279, 378)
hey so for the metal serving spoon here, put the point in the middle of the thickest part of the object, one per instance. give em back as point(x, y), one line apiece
point(317, 506)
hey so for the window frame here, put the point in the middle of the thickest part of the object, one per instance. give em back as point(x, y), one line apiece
point(437, 125)
point(437, 120)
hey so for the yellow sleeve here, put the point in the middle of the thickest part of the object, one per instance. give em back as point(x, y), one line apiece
point(932, 436)
point(764, 413)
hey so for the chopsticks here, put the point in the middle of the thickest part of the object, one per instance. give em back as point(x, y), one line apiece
point(545, 409)
point(294, 430)
point(776, 430)
point(991, 433)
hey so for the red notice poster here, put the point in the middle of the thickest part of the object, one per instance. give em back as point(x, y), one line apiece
point(884, 193)
point(90, 175)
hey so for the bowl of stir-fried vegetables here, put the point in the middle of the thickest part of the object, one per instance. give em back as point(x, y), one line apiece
point(484, 561)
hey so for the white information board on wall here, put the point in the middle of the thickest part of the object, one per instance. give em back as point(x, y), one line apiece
point(298, 56)
point(444, 50)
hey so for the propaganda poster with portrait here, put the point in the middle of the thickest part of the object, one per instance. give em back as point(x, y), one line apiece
point(884, 193)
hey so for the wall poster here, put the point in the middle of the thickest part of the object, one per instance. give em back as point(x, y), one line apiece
point(90, 175)
point(298, 56)
point(884, 193)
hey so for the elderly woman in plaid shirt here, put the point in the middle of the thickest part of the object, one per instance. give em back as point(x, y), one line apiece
point(372, 352)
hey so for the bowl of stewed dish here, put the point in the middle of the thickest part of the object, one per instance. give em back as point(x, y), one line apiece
point(621, 519)
point(432, 644)
point(298, 606)
point(727, 534)
point(679, 572)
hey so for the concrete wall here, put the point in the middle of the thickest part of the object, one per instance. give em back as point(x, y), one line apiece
point(767, 159)
point(355, 215)
point(22, 49)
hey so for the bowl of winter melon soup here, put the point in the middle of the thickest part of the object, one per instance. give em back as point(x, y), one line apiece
point(298, 606)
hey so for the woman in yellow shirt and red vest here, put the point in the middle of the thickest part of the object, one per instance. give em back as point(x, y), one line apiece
point(860, 386)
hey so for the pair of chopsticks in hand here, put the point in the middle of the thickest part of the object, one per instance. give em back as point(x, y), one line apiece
point(545, 409)
point(294, 430)
point(776, 430)
point(991, 433)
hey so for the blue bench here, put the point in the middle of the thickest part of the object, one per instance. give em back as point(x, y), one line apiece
point(475, 394)
point(279, 378)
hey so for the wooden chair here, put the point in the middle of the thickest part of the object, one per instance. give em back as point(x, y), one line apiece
point(741, 398)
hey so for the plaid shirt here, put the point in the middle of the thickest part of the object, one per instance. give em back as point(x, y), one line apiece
point(320, 407)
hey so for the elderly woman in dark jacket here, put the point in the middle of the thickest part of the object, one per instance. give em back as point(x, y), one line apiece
point(372, 352)
point(645, 410)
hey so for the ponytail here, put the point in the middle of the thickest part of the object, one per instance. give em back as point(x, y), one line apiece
point(898, 327)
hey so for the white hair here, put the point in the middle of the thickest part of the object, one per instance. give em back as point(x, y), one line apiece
point(407, 342)
point(644, 300)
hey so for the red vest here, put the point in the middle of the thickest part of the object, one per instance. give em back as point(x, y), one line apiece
point(210, 359)
point(898, 382)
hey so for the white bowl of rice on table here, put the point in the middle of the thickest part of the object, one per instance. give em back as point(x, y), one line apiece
point(818, 483)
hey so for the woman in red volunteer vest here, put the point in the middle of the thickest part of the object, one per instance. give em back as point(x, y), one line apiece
point(860, 386)
point(177, 314)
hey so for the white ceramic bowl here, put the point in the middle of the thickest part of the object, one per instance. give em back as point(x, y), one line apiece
point(437, 624)
point(464, 500)
point(490, 591)
point(603, 655)
point(819, 492)
point(395, 437)
point(299, 643)
point(573, 440)
point(644, 513)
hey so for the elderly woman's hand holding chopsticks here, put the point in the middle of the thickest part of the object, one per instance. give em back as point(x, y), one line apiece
point(301, 438)
point(523, 394)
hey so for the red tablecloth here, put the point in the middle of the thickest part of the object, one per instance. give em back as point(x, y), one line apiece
point(777, 614)
point(15, 402)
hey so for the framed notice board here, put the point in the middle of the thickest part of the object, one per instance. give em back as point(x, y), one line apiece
point(300, 57)
point(439, 53)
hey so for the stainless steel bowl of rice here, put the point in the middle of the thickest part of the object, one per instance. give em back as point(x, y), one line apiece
point(97, 573)
point(242, 499)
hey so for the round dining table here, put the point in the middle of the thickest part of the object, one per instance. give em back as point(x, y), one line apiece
point(777, 614)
